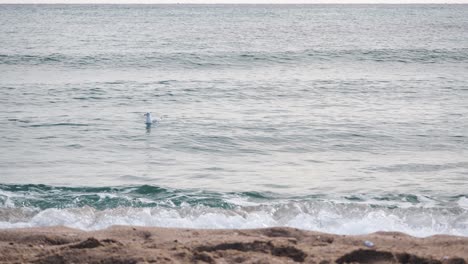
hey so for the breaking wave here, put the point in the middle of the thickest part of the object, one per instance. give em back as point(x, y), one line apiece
point(97, 208)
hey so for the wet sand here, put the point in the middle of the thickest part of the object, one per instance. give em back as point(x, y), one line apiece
point(127, 244)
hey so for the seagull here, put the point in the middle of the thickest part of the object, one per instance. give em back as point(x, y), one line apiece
point(149, 120)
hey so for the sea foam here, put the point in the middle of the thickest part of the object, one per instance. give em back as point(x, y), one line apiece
point(330, 218)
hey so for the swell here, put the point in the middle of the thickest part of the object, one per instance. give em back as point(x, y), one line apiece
point(216, 59)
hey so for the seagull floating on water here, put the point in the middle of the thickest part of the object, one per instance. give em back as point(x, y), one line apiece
point(149, 120)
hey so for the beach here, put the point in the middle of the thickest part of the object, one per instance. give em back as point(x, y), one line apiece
point(131, 244)
point(279, 133)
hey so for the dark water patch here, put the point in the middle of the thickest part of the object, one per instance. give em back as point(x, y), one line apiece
point(258, 195)
point(59, 124)
point(46, 137)
point(85, 98)
point(148, 189)
point(166, 82)
point(314, 161)
point(421, 167)
point(74, 146)
point(354, 198)
point(214, 169)
point(116, 82)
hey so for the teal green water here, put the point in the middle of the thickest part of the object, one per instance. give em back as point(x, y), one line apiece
point(338, 118)
point(45, 197)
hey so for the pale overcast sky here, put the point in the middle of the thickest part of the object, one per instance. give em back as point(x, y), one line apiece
point(238, 1)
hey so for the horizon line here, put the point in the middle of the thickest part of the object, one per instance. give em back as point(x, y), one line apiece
point(235, 3)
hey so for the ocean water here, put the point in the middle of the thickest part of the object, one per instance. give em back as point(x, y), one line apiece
point(347, 119)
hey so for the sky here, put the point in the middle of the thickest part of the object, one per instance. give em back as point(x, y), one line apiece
point(236, 1)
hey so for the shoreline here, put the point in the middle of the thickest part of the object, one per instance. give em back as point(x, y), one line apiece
point(132, 244)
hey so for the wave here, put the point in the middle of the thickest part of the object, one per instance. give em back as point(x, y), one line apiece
point(233, 59)
point(92, 208)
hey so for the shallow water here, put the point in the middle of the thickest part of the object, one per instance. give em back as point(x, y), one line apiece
point(344, 119)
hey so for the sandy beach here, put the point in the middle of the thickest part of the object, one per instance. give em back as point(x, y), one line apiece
point(127, 244)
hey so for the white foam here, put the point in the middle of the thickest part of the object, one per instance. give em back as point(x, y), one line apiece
point(327, 219)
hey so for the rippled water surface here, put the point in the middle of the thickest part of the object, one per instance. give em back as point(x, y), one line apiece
point(345, 119)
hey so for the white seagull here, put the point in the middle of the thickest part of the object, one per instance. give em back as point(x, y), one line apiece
point(149, 120)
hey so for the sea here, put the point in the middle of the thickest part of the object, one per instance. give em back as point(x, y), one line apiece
point(345, 119)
